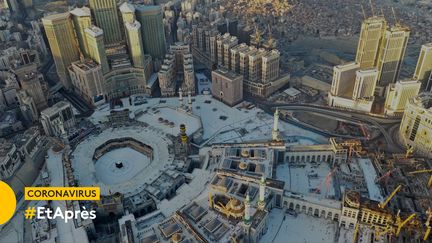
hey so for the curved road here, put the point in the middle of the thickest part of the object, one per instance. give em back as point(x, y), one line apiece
point(382, 123)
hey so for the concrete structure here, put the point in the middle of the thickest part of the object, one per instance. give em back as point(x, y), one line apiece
point(107, 18)
point(95, 42)
point(392, 52)
point(365, 82)
point(28, 107)
point(57, 119)
point(227, 86)
point(135, 44)
point(416, 125)
point(398, 95)
point(88, 80)
point(152, 29)
point(424, 67)
point(167, 76)
point(371, 34)
point(126, 81)
point(10, 159)
point(343, 79)
point(81, 18)
point(62, 41)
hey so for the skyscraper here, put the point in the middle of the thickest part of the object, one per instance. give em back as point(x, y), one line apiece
point(372, 32)
point(424, 67)
point(135, 45)
point(61, 38)
point(343, 79)
point(127, 11)
point(398, 95)
point(107, 18)
point(95, 42)
point(81, 19)
point(152, 30)
point(392, 52)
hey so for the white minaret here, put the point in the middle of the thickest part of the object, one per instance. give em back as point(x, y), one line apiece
point(180, 94)
point(275, 132)
point(262, 187)
point(247, 210)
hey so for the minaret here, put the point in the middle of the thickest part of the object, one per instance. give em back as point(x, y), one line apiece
point(262, 187)
point(275, 132)
point(247, 210)
point(180, 94)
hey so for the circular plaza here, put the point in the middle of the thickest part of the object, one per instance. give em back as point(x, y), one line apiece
point(122, 159)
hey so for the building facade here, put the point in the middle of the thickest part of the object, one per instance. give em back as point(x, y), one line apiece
point(61, 37)
point(398, 95)
point(371, 34)
point(107, 18)
point(423, 71)
point(227, 86)
point(416, 125)
point(152, 29)
point(57, 119)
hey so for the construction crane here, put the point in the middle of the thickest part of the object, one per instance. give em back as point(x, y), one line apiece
point(385, 176)
point(383, 204)
point(424, 171)
point(409, 152)
point(428, 224)
point(400, 224)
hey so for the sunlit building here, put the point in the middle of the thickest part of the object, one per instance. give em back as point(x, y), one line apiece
point(398, 95)
point(81, 19)
point(61, 37)
point(416, 126)
point(392, 52)
point(95, 42)
point(424, 67)
point(372, 32)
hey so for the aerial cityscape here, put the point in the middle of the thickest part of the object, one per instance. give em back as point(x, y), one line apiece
point(241, 121)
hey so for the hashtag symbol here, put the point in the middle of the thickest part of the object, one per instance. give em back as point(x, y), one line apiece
point(30, 213)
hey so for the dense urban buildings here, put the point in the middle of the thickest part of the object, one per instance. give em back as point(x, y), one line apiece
point(217, 120)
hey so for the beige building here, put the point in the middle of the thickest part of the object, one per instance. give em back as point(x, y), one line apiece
point(88, 80)
point(392, 52)
point(424, 67)
point(127, 11)
point(61, 37)
point(135, 45)
point(270, 66)
point(81, 19)
point(372, 32)
point(57, 119)
point(223, 45)
point(107, 18)
point(416, 125)
point(365, 82)
point(398, 95)
point(95, 42)
point(227, 86)
point(235, 56)
point(188, 75)
point(167, 76)
point(343, 79)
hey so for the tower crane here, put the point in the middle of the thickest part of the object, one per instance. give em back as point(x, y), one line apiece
point(387, 200)
point(428, 224)
point(424, 171)
point(400, 224)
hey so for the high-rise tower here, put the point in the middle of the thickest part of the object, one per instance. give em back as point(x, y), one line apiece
point(372, 32)
point(107, 18)
point(81, 19)
point(152, 29)
point(95, 42)
point(392, 52)
point(423, 69)
point(135, 45)
point(61, 38)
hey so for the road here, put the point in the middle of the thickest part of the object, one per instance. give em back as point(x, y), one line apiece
point(382, 123)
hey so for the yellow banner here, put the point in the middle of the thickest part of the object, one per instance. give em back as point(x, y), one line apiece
point(62, 193)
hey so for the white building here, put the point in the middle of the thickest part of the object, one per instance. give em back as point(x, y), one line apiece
point(57, 119)
point(398, 95)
